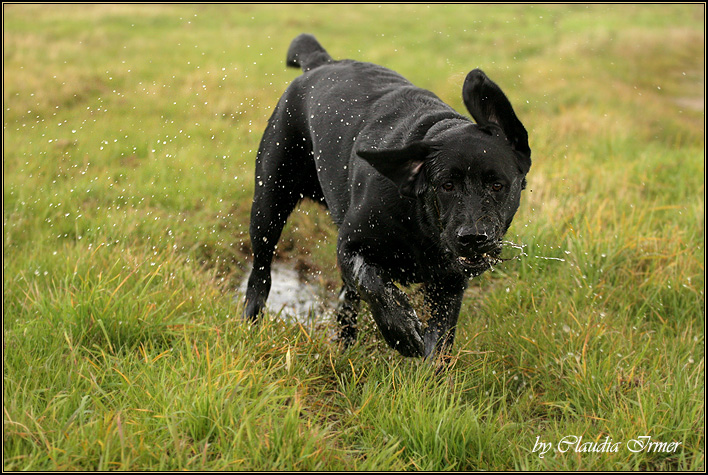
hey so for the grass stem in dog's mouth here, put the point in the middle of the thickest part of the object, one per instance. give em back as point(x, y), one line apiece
point(487, 260)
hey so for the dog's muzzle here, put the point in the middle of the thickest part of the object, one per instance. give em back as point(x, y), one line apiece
point(478, 249)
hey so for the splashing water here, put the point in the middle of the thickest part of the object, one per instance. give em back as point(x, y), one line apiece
point(523, 253)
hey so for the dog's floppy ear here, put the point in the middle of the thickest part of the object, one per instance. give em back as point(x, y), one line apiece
point(490, 107)
point(403, 166)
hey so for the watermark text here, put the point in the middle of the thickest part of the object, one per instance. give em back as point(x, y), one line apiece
point(580, 444)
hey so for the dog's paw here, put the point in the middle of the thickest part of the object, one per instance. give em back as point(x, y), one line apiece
point(399, 324)
point(407, 340)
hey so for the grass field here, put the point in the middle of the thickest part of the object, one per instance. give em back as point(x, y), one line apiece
point(129, 140)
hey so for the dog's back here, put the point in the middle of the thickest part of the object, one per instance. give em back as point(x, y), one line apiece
point(346, 105)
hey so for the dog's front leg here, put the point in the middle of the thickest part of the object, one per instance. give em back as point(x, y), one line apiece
point(389, 306)
point(444, 302)
point(346, 314)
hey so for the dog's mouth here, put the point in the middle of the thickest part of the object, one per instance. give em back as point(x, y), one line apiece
point(481, 259)
point(476, 265)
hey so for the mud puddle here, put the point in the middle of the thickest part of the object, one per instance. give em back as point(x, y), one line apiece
point(292, 297)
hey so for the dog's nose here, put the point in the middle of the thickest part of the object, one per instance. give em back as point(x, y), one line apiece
point(473, 238)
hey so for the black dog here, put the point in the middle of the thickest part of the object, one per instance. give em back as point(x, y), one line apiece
point(420, 193)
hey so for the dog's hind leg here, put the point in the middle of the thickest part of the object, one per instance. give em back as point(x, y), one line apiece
point(269, 213)
point(268, 218)
point(283, 178)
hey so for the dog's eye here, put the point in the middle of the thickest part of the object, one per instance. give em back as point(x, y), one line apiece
point(497, 187)
point(448, 186)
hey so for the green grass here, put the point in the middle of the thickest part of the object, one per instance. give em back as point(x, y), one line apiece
point(129, 140)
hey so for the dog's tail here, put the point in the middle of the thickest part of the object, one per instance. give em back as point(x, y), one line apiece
point(307, 53)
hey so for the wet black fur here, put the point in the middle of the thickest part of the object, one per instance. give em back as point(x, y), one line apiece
point(420, 193)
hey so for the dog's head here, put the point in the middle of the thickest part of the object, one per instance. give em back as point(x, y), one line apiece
point(468, 177)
